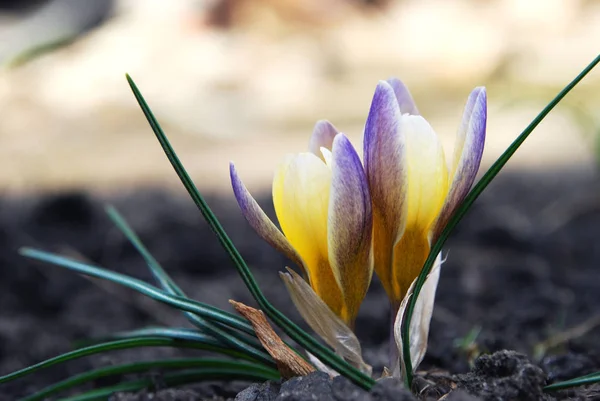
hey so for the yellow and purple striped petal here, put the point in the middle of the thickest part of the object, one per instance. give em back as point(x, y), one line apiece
point(386, 169)
point(468, 150)
point(350, 226)
point(322, 137)
point(259, 221)
point(403, 96)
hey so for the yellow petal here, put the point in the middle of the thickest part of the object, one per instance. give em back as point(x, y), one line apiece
point(426, 191)
point(301, 197)
point(427, 173)
point(410, 254)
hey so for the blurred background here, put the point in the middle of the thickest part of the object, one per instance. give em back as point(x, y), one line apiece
point(245, 80)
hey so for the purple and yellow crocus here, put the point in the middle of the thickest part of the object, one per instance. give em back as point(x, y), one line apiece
point(323, 205)
point(340, 220)
point(414, 193)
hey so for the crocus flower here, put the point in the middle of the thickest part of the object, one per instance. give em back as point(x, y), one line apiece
point(322, 202)
point(414, 192)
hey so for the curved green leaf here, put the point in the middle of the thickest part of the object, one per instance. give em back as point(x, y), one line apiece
point(224, 333)
point(176, 333)
point(208, 344)
point(592, 378)
point(173, 379)
point(189, 305)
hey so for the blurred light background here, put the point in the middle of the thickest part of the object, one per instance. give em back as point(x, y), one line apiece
point(245, 80)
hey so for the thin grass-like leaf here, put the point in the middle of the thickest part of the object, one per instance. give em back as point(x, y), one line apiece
point(208, 344)
point(175, 379)
point(181, 303)
point(157, 270)
point(205, 364)
point(468, 202)
point(322, 352)
point(592, 378)
point(176, 333)
point(224, 333)
point(173, 333)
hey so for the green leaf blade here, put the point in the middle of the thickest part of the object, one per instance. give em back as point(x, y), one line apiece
point(204, 364)
point(592, 378)
point(172, 380)
point(209, 345)
point(189, 305)
point(233, 338)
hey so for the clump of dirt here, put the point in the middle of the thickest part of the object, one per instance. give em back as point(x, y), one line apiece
point(505, 375)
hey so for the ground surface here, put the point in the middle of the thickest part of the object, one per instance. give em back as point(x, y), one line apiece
point(523, 268)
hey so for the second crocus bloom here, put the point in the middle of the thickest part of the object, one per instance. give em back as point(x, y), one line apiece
point(413, 191)
point(414, 194)
point(323, 205)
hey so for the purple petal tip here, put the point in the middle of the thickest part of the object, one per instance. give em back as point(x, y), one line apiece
point(403, 96)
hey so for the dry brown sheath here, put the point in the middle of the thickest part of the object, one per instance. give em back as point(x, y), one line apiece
point(288, 362)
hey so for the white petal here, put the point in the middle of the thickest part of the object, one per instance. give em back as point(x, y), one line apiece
point(326, 153)
point(419, 325)
point(323, 321)
point(316, 362)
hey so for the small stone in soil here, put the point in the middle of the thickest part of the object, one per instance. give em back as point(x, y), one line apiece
point(259, 392)
point(390, 389)
point(344, 389)
point(316, 386)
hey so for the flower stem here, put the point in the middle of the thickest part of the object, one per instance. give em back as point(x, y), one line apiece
point(393, 347)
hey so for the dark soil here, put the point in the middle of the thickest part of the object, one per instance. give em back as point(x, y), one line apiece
point(523, 268)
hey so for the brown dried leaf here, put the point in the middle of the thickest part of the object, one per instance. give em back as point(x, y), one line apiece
point(288, 362)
